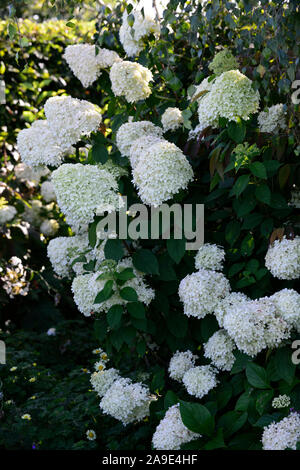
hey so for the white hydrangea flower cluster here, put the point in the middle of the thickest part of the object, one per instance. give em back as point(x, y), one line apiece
point(231, 96)
point(83, 190)
point(180, 363)
point(160, 172)
point(171, 433)
point(219, 349)
point(224, 305)
point(282, 435)
point(39, 146)
point(70, 118)
point(26, 174)
point(102, 381)
point(255, 325)
point(86, 61)
point(49, 227)
point(287, 302)
point(86, 287)
point(172, 119)
point(223, 61)
point(7, 213)
point(132, 37)
point(282, 401)
point(199, 380)
point(273, 119)
point(126, 401)
point(62, 251)
point(47, 191)
point(210, 256)
point(129, 132)
point(201, 291)
point(283, 258)
point(131, 80)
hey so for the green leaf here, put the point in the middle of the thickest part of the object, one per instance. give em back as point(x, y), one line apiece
point(99, 153)
point(232, 421)
point(105, 293)
point(240, 185)
point(136, 309)
point(263, 399)
point(258, 169)
point(145, 261)
point(257, 376)
point(197, 418)
point(284, 366)
point(217, 442)
point(232, 232)
point(237, 131)
point(263, 193)
point(113, 249)
point(176, 249)
point(125, 274)
point(114, 315)
point(129, 294)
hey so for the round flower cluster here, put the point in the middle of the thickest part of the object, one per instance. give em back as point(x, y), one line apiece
point(101, 381)
point(29, 176)
point(171, 119)
point(171, 433)
point(47, 191)
point(130, 79)
point(282, 435)
point(49, 227)
point(224, 305)
point(126, 401)
point(82, 190)
point(180, 363)
point(132, 36)
point(140, 146)
point(62, 251)
point(283, 258)
point(219, 349)
point(38, 145)
point(201, 291)
point(160, 172)
point(86, 61)
point(210, 256)
point(70, 118)
point(255, 325)
point(282, 401)
point(86, 287)
point(129, 132)
point(231, 96)
point(223, 62)
point(287, 302)
point(199, 380)
point(7, 213)
point(272, 120)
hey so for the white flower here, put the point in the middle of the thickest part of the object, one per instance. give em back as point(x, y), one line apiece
point(273, 119)
point(180, 363)
point(62, 251)
point(255, 325)
point(49, 227)
point(51, 332)
point(295, 199)
point(231, 96)
point(198, 381)
point(224, 305)
point(223, 61)
point(86, 63)
point(126, 401)
point(171, 119)
point(132, 37)
point(282, 435)
point(7, 213)
point(201, 291)
point(83, 190)
point(103, 380)
point(129, 132)
point(282, 401)
point(70, 118)
point(38, 146)
point(219, 349)
point(287, 302)
point(26, 416)
point(283, 258)
point(47, 191)
point(131, 80)
point(29, 176)
point(91, 435)
point(210, 256)
point(86, 287)
point(171, 433)
point(160, 172)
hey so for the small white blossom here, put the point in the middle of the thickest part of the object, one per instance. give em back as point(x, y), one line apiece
point(198, 381)
point(129, 132)
point(273, 119)
point(282, 435)
point(282, 401)
point(219, 349)
point(224, 305)
point(7, 213)
point(283, 258)
point(49, 227)
point(101, 381)
point(91, 435)
point(131, 80)
point(47, 191)
point(180, 363)
point(210, 256)
point(171, 119)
